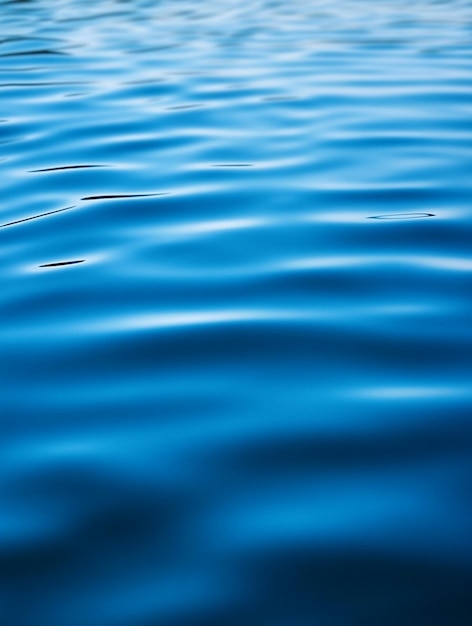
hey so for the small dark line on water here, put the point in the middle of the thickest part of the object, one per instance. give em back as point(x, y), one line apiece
point(34, 217)
point(233, 165)
point(62, 263)
point(65, 167)
point(32, 53)
point(401, 216)
point(132, 195)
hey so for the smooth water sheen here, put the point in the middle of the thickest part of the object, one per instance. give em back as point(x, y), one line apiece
point(236, 340)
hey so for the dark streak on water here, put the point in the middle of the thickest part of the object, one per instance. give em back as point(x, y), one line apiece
point(31, 53)
point(124, 195)
point(402, 216)
point(35, 217)
point(60, 263)
point(247, 401)
point(65, 167)
point(233, 165)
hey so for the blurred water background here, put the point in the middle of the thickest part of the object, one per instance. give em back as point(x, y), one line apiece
point(236, 341)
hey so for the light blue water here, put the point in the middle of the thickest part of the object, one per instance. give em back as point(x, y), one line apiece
point(236, 340)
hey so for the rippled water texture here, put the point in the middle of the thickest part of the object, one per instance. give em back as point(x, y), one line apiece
point(236, 340)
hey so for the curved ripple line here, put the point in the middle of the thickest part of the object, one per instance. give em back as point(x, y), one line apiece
point(411, 392)
point(214, 226)
point(178, 319)
point(338, 262)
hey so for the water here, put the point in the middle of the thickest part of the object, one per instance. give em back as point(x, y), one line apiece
point(236, 341)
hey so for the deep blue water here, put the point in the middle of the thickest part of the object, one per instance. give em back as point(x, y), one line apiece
point(236, 306)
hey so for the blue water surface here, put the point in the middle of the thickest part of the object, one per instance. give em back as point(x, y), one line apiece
point(236, 340)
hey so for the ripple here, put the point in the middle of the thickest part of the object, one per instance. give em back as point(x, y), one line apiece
point(413, 393)
point(251, 403)
point(202, 228)
point(378, 261)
